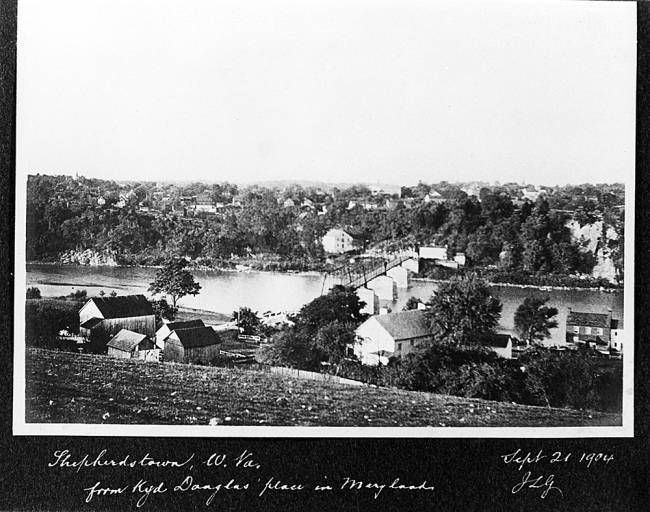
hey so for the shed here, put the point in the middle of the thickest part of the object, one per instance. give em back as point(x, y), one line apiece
point(166, 330)
point(192, 345)
point(132, 345)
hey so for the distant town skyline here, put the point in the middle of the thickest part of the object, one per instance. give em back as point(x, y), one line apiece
point(325, 184)
point(351, 92)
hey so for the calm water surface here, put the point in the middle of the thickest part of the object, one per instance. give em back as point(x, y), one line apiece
point(226, 291)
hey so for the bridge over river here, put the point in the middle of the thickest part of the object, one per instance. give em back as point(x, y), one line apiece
point(373, 278)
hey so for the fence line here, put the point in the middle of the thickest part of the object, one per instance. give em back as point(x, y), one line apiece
point(322, 377)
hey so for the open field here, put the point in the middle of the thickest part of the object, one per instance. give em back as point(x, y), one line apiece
point(208, 317)
point(70, 388)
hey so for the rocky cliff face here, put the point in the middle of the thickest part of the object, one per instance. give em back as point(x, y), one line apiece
point(89, 257)
point(592, 239)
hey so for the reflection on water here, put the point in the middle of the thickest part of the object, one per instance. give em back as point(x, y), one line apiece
point(220, 291)
point(226, 291)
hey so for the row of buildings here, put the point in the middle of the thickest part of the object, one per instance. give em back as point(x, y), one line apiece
point(382, 337)
point(126, 326)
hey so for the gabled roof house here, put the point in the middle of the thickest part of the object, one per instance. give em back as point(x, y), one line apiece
point(381, 337)
point(167, 328)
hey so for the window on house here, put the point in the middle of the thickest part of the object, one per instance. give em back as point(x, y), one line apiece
point(576, 329)
point(399, 347)
point(412, 343)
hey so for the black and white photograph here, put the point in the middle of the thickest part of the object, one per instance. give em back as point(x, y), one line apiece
point(325, 219)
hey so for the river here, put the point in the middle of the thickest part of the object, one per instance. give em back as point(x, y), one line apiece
point(225, 292)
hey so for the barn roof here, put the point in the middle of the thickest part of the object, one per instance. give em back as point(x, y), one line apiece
point(123, 306)
point(405, 324)
point(127, 340)
point(184, 324)
point(194, 337)
point(588, 319)
point(90, 323)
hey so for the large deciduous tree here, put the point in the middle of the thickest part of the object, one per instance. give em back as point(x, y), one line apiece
point(340, 304)
point(322, 332)
point(533, 320)
point(332, 341)
point(163, 311)
point(174, 281)
point(247, 321)
point(463, 311)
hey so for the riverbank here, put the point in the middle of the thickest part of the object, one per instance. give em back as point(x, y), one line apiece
point(200, 268)
point(526, 286)
point(313, 273)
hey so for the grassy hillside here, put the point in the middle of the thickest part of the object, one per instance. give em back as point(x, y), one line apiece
point(65, 387)
point(208, 317)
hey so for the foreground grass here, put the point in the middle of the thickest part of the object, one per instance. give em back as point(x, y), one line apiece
point(71, 388)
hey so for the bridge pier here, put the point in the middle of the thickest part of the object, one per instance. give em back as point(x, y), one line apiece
point(400, 276)
point(370, 298)
point(384, 286)
point(412, 264)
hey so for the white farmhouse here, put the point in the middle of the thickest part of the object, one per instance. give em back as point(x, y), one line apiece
point(337, 241)
point(393, 335)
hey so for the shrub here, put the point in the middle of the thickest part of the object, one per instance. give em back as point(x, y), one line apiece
point(482, 380)
point(565, 379)
point(45, 318)
point(433, 368)
point(78, 295)
point(609, 388)
point(561, 379)
point(33, 293)
point(288, 348)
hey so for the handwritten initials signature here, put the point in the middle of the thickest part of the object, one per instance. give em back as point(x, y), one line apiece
point(528, 482)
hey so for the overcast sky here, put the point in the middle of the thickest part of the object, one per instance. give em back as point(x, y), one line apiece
point(340, 91)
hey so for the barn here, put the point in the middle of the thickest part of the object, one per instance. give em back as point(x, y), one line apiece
point(101, 318)
point(166, 329)
point(132, 345)
point(192, 345)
